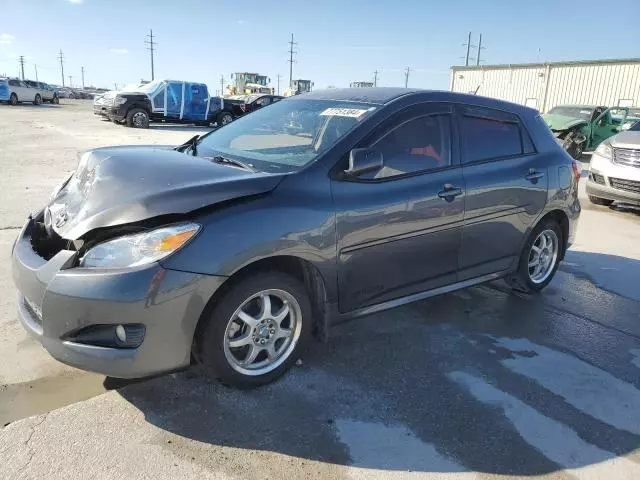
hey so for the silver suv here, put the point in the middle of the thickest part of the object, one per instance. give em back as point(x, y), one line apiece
point(614, 173)
point(19, 92)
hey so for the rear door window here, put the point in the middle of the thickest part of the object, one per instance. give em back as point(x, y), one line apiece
point(490, 134)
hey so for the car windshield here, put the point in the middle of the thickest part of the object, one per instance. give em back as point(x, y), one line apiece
point(635, 127)
point(287, 135)
point(574, 112)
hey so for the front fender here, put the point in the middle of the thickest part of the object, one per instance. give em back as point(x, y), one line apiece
point(240, 234)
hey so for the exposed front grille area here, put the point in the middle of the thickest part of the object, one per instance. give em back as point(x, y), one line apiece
point(627, 185)
point(626, 156)
point(596, 177)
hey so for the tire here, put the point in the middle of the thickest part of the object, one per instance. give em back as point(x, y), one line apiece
point(13, 99)
point(37, 100)
point(138, 118)
point(524, 279)
point(600, 201)
point(221, 361)
point(224, 118)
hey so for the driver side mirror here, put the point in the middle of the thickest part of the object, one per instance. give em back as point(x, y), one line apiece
point(363, 160)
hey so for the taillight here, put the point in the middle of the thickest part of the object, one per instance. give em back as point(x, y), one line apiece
point(577, 169)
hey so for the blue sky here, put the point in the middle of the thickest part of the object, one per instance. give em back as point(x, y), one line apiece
point(339, 41)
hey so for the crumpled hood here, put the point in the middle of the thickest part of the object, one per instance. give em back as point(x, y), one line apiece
point(561, 122)
point(629, 140)
point(119, 185)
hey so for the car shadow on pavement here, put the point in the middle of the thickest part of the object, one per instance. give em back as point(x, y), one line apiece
point(433, 387)
point(169, 127)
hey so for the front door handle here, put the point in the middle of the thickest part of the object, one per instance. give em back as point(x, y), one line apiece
point(449, 192)
point(533, 175)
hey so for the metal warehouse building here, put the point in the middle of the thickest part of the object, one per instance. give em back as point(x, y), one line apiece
point(544, 85)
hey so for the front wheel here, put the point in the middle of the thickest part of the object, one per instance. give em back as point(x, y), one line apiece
point(224, 118)
point(539, 259)
point(256, 331)
point(600, 201)
point(137, 118)
point(13, 100)
point(37, 100)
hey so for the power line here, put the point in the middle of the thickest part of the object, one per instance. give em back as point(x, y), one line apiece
point(406, 77)
point(61, 58)
point(375, 78)
point(21, 60)
point(151, 48)
point(291, 60)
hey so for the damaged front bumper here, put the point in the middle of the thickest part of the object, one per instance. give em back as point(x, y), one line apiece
point(58, 301)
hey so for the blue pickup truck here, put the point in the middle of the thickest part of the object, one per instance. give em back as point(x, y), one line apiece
point(171, 101)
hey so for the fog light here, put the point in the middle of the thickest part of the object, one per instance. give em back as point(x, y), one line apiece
point(121, 334)
point(112, 336)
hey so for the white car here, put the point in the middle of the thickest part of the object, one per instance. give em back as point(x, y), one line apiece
point(614, 172)
point(21, 92)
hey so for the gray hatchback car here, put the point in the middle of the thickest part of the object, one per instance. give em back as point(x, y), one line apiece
point(236, 247)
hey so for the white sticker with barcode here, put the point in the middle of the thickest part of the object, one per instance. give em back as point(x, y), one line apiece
point(345, 112)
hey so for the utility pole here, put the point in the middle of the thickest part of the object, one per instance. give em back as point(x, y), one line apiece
point(21, 60)
point(278, 76)
point(480, 48)
point(469, 46)
point(375, 78)
point(70, 81)
point(406, 77)
point(82, 69)
point(151, 48)
point(222, 85)
point(61, 58)
point(115, 86)
point(291, 60)
point(36, 69)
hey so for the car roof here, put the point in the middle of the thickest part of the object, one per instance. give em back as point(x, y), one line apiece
point(571, 105)
point(385, 95)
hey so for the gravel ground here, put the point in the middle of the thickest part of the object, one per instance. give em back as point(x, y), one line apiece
point(481, 383)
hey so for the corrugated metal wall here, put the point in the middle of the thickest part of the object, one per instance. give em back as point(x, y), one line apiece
point(601, 84)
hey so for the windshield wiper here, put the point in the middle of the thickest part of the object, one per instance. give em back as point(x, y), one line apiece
point(233, 161)
point(191, 143)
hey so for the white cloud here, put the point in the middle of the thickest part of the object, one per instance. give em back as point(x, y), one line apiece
point(119, 51)
point(75, 2)
point(6, 39)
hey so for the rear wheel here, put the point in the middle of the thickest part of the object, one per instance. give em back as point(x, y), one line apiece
point(137, 118)
point(13, 100)
point(600, 201)
point(37, 100)
point(540, 258)
point(55, 100)
point(256, 331)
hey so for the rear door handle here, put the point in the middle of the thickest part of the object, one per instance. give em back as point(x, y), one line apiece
point(449, 192)
point(534, 175)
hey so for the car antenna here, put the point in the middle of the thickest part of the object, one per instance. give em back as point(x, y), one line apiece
point(475, 92)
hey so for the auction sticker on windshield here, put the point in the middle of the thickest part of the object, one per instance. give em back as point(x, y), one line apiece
point(346, 112)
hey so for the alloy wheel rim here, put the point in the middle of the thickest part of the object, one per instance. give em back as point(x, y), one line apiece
point(226, 120)
point(139, 119)
point(263, 332)
point(543, 256)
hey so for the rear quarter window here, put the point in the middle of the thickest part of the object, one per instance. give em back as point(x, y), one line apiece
point(488, 135)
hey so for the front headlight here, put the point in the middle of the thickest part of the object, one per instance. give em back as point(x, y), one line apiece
point(605, 150)
point(140, 248)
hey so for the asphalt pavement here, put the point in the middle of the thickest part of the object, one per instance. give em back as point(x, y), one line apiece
point(480, 383)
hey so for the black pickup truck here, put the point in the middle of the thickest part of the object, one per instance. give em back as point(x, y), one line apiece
point(170, 101)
